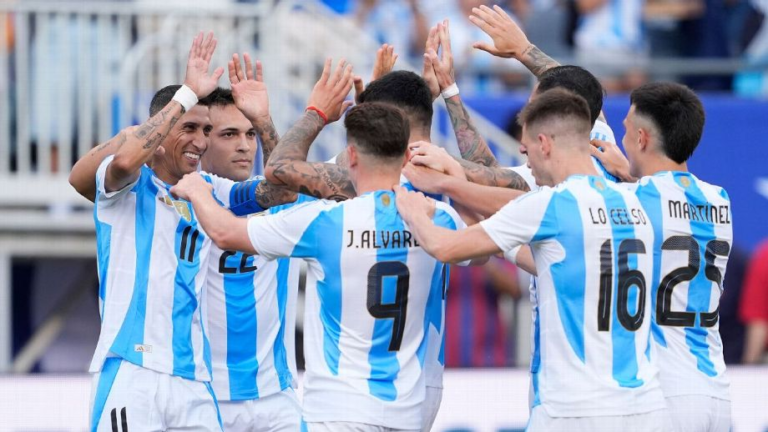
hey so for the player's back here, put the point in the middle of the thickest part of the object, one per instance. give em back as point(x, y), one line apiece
point(693, 237)
point(368, 287)
point(592, 244)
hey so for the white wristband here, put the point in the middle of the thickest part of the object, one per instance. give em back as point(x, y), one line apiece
point(451, 91)
point(186, 97)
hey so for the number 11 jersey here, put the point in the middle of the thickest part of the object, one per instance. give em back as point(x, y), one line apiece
point(366, 314)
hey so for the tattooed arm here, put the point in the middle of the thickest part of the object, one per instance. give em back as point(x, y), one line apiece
point(472, 145)
point(84, 172)
point(288, 164)
point(493, 176)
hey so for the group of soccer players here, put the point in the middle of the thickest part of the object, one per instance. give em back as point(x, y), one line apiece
point(198, 261)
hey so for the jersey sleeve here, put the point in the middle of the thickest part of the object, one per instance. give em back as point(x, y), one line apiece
point(522, 221)
point(286, 234)
point(104, 197)
point(238, 197)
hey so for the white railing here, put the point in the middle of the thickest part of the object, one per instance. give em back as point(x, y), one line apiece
point(74, 73)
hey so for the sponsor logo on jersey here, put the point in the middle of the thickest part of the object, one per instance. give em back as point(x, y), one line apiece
point(142, 348)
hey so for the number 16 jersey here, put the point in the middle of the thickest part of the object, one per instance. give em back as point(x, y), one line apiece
point(366, 316)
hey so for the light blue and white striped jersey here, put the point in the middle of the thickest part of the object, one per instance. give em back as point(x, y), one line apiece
point(250, 308)
point(366, 319)
point(693, 238)
point(150, 251)
point(591, 242)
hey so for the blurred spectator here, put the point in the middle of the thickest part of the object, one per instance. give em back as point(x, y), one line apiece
point(755, 43)
point(731, 327)
point(397, 22)
point(476, 335)
point(707, 38)
point(754, 306)
point(609, 42)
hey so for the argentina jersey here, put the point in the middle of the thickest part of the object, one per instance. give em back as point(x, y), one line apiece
point(250, 308)
point(591, 242)
point(367, 315)
point(693, 238)
point(150, 250)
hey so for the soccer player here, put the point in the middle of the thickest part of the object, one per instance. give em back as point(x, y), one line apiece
point(591, 243)
point(693, 238)
point(363, 346)
point(152, 361)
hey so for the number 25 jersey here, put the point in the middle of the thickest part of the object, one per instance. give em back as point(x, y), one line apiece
point(366, 316)
point(693, 237)
point(591, 242)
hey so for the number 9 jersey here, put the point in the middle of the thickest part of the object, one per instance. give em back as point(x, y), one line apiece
point(693, 237)
point(591, 242)
point(366, 314)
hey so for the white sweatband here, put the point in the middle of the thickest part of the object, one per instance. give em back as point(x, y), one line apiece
point(186, 97)
point(511, 255)
point(451, 91)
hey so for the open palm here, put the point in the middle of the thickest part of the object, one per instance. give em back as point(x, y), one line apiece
point(197, 78)
point(248, 88)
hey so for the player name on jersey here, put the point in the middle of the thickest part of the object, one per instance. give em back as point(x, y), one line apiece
point(370, 239)
point(720, 214)
point(617, 216)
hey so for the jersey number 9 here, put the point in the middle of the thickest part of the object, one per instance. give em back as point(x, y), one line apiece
point(395, 311)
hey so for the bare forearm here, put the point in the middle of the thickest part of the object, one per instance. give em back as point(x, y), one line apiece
point(269, 195)
point(293, 147)
point(227, 231)
point(268, 136)
point(484, 200)
point(757, 333)
point(471, 143)
point(83, 174)
point(493, 176)
point(536, 61)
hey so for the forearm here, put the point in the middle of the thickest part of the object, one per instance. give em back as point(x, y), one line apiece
point(227, 231)
point(484, 200)
point(450, 246)
point(269, 195)
point(471, 143)
point(293, 148)
point(267, 135)
point(83, 174)
point(536, 61)
point(754, 347)
point(141, 145)
point(493, 176)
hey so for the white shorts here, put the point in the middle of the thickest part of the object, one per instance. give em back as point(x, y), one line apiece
point(350, 427)
point(126, 397)
point(698, 413)
point(654, 421)
point(280, 412)
point(432, 400)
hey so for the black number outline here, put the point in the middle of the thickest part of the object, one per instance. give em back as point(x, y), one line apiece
point(396, 311)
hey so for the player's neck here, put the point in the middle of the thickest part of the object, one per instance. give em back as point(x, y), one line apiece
point(656, 165)
point(419, 135)
point(376, 180)
point(573, 164)
point(158, 166)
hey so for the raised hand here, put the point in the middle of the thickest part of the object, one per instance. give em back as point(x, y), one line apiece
point(385, 61)
point(248, 88)
point(443, 65)
point(508, 38)
point(428, 72)
point(331, 90)
point(197, 77)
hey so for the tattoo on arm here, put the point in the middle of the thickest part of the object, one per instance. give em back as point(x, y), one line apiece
point(290, 166)
point(493, 176)
point(117, 142)
point(536, 61)
point(149, 133)
point(269, 138)
point(471, 144)
point(269, 195)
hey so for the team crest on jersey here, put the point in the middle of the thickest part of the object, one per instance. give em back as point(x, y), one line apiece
point(182, 207)
point(385, 200)
point(685, 181)
point(599, 185)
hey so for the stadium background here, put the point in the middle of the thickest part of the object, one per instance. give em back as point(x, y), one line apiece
point(73, 73)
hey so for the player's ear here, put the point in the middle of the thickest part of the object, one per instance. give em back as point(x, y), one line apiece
point(351, 155)
point(406, 157)
point(545, 142)
point(643, 139)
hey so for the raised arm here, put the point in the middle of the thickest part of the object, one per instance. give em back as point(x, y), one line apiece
point(83, 174)
point(288, 164)
point(140, 146)
point(251, 98)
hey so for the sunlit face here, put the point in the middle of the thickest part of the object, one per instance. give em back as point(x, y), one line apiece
point(184, 146)
point(631, 142)
point(532, 147)
point(232, 144)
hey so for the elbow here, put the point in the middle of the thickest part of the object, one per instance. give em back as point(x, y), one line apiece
point(222, 238)
point(270, 173)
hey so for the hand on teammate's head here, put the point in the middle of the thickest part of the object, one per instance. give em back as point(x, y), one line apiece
point(436, 158)
point(189, 185)
point(248, 88)
point(508, 38)
point(197, 77)
point(330, 93)
point(424, 179)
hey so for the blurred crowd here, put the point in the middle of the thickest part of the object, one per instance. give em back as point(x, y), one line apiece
point(620, 40)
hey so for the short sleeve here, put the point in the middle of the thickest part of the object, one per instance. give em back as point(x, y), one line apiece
point(102, 196)
point(525, 172)
point(523, 221)
point(238, 197)
point(279, 235)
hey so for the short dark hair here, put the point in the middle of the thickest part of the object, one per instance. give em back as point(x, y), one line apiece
point(676, 112)
point(162, 98)
point(378, 129)
point(165, 95)
point(406, 90)
point(577, 80)
point(557, 104)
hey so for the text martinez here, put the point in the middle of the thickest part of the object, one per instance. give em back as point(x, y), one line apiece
point(700, 213)
point(370, 239)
